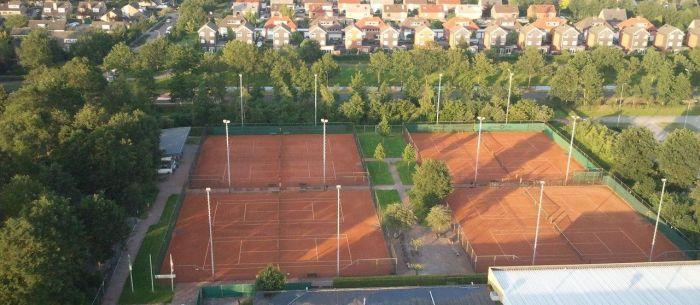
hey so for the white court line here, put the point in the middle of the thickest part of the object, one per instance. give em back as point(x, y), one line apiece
point(316, 245)
point(240, 251)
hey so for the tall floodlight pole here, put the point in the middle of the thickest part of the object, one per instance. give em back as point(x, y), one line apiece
point(240, 88)
point(131, 274)
point(658, 215)
point(228, 156)
point(619, 105)
point(324, 121)
point(537, 227)
point(211, 240)
point(315, 99)
point(437, 116)
point(510, 84)
point(337, 246)
point(571, 148)
point(478, 148)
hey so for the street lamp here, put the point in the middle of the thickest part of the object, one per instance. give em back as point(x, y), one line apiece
point(315, 99)
point(658, 215)
point(571, 148)
point(510, 83)
point(537, 227)
point(437, 117)
point(211, 240)
point(228, 156)
point(324, 121)
point(478, 148)
point(240, 88)
point(337, 236)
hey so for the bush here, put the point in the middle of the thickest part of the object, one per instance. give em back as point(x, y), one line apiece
point(270, 279)
point(410, 280)
point(439, 219)
point(379, 152)
point(431, 185)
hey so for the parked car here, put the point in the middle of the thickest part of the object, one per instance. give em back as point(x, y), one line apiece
point(167, 166)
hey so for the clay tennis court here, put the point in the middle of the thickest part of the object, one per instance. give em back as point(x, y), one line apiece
point(579, 224)
point(504, 156)
point(279, 161)
point(293, 230)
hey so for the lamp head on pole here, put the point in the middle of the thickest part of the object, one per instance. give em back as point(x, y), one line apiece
point(541, 182)
point(240, 75)
point(324, 121)
point(208, 189)
point(663, 180)
point(480, 118)
point(575, 117)
point(337, 186)
point(440, 74)
point(227, 121)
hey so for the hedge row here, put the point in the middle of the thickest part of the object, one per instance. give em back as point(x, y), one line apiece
point(409, 280)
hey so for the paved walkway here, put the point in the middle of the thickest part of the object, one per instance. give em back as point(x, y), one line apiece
point(398, 186)
point(655, 123)
point(172, 185)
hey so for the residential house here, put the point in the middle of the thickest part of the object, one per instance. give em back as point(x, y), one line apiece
point(12, 8)
point(245, 32)
point(424, 36)
point(358, 11)
point(229, 23)
point(310, 4)
point(693, 40)
point(565, 38)
point(547, 24)
point(459, 31)
point(378, 5)
point(332, 27)
point(148, 4)
point(279, 3)
point(132, 10)
point(353, 37)
point(344, 4)
point(537, 11)
point(318, 34)
point(488, 4)
point(66, 39)
point(471, 11)
point(694, 24)
point(669, 38)
point(320, 9)
point(505, 11)
point(448, 5)
point(494, 37)
point(613, 16)
point(414, 5)
point(506, 23)
point(242, 7)
point(90, 10)
point(410, 24)
point(431, 12)
point(388, 37)
point(109, 26)
point(57, 10)
point(274, 21)
point(600, 35)
point(531, 36)
point(395, 12)
point(634, 39)
point(49, 25)
point(281, 34)
point(370, 27)
point(112, 15)
point(639, 22)
point(208, 34)
point(589, 22)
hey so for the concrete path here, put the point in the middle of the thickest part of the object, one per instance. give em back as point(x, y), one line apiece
point(398, 186)
point(172, 185)
point(654, 123)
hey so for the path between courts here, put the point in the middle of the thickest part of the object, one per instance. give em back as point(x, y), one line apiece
point(398, 186)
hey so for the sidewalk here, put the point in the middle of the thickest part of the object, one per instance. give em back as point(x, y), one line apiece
point(173, 185)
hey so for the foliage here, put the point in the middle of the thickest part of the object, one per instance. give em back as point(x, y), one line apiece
point(398, 218)
point(416, 244)
point(439, 219)
point(379, 152)
point(597, 138)
point(634, 153)
point(270, 279)
point(39, 49)
point(409, 153)
point(383, 128)
point(528, 110)
point(431, 185)
point(678, 159)
point(408, 280)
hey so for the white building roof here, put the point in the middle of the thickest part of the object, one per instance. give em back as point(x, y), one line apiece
point(668, 283)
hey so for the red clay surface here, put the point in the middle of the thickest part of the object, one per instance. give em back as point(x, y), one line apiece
point(279, 160)
point(293, 230)
point(594, 226)
point(504, 156)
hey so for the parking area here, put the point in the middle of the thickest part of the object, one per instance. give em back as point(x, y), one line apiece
point(438, 295)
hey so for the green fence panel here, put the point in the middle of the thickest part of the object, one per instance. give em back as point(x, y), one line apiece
point(226, 291)
point(449, 127)
point(577, 154)
point(533, 127)
point(255, 129)
point(297, 286)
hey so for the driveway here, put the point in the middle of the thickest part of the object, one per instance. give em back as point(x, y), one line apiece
point(657, 124)
point(171, 186)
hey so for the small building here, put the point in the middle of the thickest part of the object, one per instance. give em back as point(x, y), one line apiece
point(565, 38)
point(344, 4)
point(471, 11)
point(506, 23)
point(229, 23)
point(414, 5)
point(358, 11)
point(548, 24)
point(332, 26)
point(634, 39)
point(536, 11)
point(112, 15)
point(448, 5)
point(410, 24)
point(245, 32)
point(370, 27)
point(12, 8)
point(208, 34)
point(505, 11)
point(56, 10)
point(132, 10)
point(378, 5)
point(281, 34)
point(589, 22)
point(639, 22)
point(388, 37)
point(693, 38)
point(318, 34)
point(424, 36)
point(431, 12)
point(275, 21)
point(242, 7)
point(613, 16)
point(669, 38)
point(90, 10)
point(494, 37)
point(600, 35)
point(395, 12)
point(108, 27)
point(280, 3)
point(459, 31)
point(173, 140)
point(353, 37)
point(531, 36)
point(49, 25)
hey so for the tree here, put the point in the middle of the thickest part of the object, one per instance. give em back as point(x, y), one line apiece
point(529, 110)
point(270, 279)
point(16, 21)
point(354, 108)
point(378, 63)
point(7, 51)
point(357, 84)
point(530, 63)
point(634, 152)
point(565, 84)
point(151, 57)
point(383, 128)
point(439, 219)
point(93, 45)
point(680, 89)
point(591, 85)
point(398, 218)
point(309, 51)
point(38, 49)
point(409, 154)
point(431, 184)
point(105, 225)
point(17, 194)
point(192, 16)
point(181, 58)
point(678, 158)
point(120, 58)
point(379, 152)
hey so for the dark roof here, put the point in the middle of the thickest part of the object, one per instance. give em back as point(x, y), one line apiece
point(172, 140)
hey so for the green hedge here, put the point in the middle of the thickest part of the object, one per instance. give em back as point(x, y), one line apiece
point(408, 280)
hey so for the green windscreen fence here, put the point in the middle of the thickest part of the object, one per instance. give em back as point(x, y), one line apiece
point(254, 129)
point(243, 290)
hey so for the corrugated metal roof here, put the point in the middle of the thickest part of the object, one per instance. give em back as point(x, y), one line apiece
point(172, 140)
point(607, 284)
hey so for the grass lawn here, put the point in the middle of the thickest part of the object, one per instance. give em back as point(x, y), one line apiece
point(387, 197)
point(156, 239)
point(393, 144)
point(347, 71)
point(406, 170)
point(611, 110)
point(673, 126)
point(379, 173)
